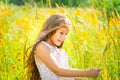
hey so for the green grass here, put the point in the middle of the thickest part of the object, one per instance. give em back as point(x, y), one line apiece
point(93, 41)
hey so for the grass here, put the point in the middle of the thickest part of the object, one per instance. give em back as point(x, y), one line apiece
point(93, 41)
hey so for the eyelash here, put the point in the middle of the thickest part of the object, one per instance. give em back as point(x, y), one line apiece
point(61, 33)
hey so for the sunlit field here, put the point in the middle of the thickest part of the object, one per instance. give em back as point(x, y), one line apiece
point(93, 40)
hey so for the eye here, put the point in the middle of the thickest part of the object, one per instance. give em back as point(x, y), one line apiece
point(61, 33)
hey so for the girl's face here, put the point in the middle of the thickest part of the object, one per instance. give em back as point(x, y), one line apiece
point(58, 37)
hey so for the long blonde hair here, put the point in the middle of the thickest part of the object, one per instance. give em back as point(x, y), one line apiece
point(53, 23)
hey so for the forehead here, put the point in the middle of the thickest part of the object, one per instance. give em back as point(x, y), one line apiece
point(65, 29)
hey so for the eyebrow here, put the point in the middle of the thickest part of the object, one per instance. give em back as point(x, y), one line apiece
point(64, 31)
point(61, 30)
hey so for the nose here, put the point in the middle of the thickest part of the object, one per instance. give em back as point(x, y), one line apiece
point(64, 37)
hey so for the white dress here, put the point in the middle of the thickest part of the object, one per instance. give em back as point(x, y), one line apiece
point(61, 58)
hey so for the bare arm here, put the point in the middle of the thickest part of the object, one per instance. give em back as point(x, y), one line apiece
point(43, 54)
point(81, 78)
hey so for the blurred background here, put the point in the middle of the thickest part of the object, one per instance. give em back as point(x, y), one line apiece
point(93, 41)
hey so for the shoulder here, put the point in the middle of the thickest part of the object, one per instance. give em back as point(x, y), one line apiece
point(42, 52)
point(42, 48)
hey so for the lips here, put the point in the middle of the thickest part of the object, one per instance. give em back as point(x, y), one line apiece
point(59, 42)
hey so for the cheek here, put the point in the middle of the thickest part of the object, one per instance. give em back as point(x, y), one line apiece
point(54, 38)
point(57, 35)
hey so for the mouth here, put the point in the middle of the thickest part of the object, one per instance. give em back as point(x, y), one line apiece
point(60, 41)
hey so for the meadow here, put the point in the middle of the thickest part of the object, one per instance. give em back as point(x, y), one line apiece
point(93, 40)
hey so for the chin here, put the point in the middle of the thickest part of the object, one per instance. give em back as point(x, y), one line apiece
point(58, 44)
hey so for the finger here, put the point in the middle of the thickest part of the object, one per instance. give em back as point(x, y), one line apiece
point(98, 69)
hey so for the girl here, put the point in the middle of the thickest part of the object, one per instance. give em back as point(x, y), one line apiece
point(47, 61)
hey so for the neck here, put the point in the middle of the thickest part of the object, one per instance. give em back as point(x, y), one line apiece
point(51, 42)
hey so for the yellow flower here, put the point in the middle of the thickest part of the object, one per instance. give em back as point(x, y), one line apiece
point(27, 9)
point(81, 43)
point(86, 36)
point(78, 12)
point(1, 24)
point(1, 33)
point(89, 15)
point(19, 22)
point(14, 67)
point(52, 11)
point(117, 78)
point(26, 27)
point(5, 55)
point(118, 32)
point(101, 36)
point(5, 12)
point(19, 53)
point(111, 32)
point(18, 59)
point(1, 4)
point(114, 21)
point(95, 21)
point(1, 42)
point(92, 17)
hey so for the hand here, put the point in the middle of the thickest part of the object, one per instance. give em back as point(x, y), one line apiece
point(93, 72)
